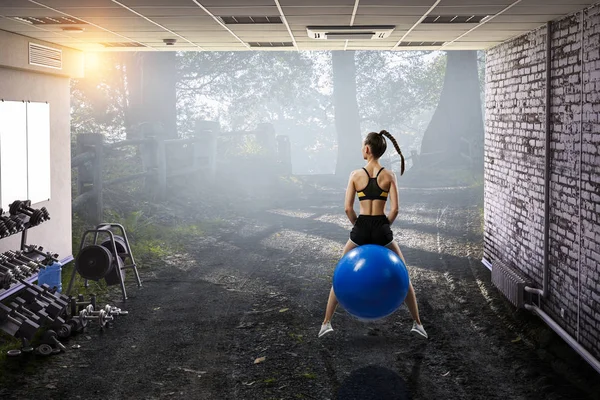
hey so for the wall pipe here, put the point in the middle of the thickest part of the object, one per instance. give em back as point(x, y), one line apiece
point(574, 343)
point(580, 180)
point(547, 157)
point(546, 249)
point(566, 337)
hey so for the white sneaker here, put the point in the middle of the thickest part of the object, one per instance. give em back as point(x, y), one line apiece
point(419, 329)
point(325, 328)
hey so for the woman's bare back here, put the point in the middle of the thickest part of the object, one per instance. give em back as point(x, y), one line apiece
point(384, 181)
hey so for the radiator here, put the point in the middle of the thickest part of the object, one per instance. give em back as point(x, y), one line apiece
point(510, 281)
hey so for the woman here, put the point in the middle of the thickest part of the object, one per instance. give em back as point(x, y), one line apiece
point(374, 185)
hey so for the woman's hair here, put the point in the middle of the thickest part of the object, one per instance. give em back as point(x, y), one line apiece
point(377, 144)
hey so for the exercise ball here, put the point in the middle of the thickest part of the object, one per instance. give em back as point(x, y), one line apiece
point(370, 282)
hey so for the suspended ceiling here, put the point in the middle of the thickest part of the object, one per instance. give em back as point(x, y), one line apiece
point(196, 25)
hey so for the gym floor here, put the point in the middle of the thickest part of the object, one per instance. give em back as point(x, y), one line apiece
point(237, 317)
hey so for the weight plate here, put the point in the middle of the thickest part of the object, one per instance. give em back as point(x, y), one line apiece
point(82, 318)
point(28, 349)
point(45, 349)
point(64, 331)
point(56, 351)
point(13, 353)
point(120, 244)
point(94, 262)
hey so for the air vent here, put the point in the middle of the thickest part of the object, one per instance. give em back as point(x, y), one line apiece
point(122, 44)
point(454, 19)
point(50, 20)
point(368, 32)
point(232, 20)
point(270, 44)
point(420, 44)
point(43, 56)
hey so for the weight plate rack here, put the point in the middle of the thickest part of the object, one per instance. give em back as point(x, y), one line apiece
point(108, 259)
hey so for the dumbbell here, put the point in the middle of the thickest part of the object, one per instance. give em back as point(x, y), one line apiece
point(20, 304)
point(40, 250)
point(80, 302)
point(15, 269)
point(16, 312)
point(18, 222)
point(51, 337)
point(18, 255)
point(31, 267)
point(45, 349)
point(109, 310)
point(10, 225)
point(47, 291)
point(53, 306)
point(36, 217)
point(24, 328)
point(62, 328)
point(4, 231)
point(6, 279)
point(99, 316)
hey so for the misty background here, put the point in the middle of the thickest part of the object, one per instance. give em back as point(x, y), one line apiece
point(325, 102)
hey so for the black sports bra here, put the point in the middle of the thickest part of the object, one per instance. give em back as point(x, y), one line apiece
point(372, 191)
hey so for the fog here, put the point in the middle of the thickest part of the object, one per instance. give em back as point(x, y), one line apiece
point(278, 115)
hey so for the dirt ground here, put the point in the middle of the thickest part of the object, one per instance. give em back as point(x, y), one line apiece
point(256, 288)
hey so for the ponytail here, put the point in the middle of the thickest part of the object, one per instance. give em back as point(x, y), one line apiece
point(395, 143)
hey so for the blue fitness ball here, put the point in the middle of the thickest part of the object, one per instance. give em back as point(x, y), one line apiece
point(370, 282)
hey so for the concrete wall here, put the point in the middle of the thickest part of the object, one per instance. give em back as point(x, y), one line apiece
point(20, 81)
point(514, 167)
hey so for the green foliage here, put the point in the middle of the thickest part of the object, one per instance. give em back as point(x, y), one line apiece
point(151, 240)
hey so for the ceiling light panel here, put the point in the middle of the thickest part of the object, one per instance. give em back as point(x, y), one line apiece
point(454, 19)
point(334, 12)
point(250, 20)
point(469, 3)
point(237, 4)
point(317, 3)
point(398, 3)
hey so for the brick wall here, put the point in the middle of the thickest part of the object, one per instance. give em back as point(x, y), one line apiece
point(514, 167)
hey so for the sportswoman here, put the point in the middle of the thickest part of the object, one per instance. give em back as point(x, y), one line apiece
point(374, 186)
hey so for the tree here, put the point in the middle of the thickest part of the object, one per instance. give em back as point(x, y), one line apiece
point(152, 78)
point(347, 119)
point(398, 91)
point(458, 117)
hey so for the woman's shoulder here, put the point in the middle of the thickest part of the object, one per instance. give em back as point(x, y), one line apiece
point(388, 173)
point(356, 172)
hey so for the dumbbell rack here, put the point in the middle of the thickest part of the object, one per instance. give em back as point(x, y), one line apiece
point(31, 252)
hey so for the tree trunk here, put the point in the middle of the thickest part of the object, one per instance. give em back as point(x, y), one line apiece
point(458, 115)
point(151, 81)
point(347, 120)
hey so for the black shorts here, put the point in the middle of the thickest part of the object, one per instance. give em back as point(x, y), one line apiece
point(372, 229)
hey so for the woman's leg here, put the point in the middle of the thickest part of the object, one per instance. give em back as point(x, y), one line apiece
point(332, 301)
point(411, 298)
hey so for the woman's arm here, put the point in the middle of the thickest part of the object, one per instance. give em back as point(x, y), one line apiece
point(393, 196)
point(349, 201)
